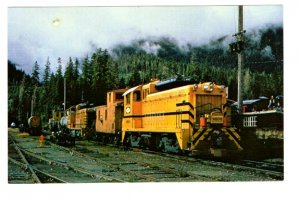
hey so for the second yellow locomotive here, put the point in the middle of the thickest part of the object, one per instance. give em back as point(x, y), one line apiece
point(191, 118)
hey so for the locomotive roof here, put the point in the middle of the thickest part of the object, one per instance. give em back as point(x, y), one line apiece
point(130, 90)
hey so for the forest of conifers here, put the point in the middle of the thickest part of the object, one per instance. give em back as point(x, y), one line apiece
point(126, 65)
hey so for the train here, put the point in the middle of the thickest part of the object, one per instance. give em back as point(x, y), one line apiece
point(176, 115)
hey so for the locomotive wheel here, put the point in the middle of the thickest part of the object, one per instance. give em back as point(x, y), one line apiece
point(169, 144)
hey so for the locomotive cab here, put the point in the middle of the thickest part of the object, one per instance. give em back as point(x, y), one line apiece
point(133, 107)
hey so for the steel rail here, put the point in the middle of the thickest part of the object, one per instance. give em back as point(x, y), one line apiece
point(162, 169)
point(24, 166)
point(67, 166)
point(118, 168)
point(228, 165)
point(265, 164)
point(33, 174)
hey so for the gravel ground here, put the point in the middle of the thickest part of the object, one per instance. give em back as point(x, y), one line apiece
point(150, 163)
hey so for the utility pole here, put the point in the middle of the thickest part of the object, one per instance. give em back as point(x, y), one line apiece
point(238, 47)
point(64, 96)
point(33, 101)
point(240, 38)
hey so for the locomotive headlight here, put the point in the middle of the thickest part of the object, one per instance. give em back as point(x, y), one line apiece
point(211, 86)
point(208, 87)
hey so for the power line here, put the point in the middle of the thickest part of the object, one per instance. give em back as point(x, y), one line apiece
point(263, 62)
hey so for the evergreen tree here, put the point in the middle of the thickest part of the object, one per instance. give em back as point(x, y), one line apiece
point(113, 76)
point(122, 83)
point(35, 74)
point(100, 75)
point(70, 84)
point(194, 67)
point(59, 84)
point(76, 68)
point(45, 103)
point(22, 99)
point(46, 73)
point(135, 78)
point(86, 80)
point(247, 85)
point(76, 81)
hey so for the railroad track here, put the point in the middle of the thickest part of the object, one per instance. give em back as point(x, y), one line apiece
point(130, 164)
point(18, 171)
point(272, 170)
point(264, 165)
point(22, 165)
point(186, 168)
point(43, 169)
point(90, 162)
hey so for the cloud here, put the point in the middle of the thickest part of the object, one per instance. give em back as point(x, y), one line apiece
point(41, 32)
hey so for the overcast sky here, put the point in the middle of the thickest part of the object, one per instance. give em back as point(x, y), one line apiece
point(37, 33)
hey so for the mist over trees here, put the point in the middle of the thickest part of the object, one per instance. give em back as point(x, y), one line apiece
point(90, 77)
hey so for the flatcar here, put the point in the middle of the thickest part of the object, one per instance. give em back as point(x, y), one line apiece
point(189, 118)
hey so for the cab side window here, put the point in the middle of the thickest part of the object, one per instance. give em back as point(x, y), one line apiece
point(128, 99)
point(137, 96)
point(109, 97)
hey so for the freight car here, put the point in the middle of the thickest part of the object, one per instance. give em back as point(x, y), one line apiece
point(188, 118)
point(34, 125)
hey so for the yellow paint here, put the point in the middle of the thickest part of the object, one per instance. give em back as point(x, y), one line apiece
point(109, 116)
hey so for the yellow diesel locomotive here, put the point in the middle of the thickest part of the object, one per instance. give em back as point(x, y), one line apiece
point(177, 116)
point(76, 122)
point(80, 120)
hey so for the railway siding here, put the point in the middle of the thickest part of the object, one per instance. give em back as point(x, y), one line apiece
point(91, 162)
